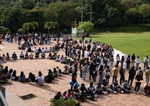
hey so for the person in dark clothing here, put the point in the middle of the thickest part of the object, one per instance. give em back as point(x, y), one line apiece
point(122, 73)
point(132, 59)
point(81, 63)
point(139, 79)
point(122, 60)
point(89, 47)
point(14, 56)
point(132, 73)
point(31, 77)
point(83, 90)
point(58, 95)
point(92, 69)
point(74, 78)
point(37, 55)
point(49, 77)
point(128, 62)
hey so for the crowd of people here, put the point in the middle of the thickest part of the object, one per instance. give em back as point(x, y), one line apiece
point(94, 59)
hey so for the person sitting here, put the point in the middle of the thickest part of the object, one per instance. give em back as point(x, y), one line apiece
point(62, 59)
point(39, 79)
point(21, 55)
point(14, 77)
point(115, 86)
point(83, 90)
point(7, 56)
point(69, 94)
point(50, 56)
point(54, 56)
point(70, 70)
point(42, 50)
point(126, 87)
point(43, 55)
point(4, 75)
point(31, 77)
point(31, 56)
point(39, 50)
point(34, 50)
point(26, 55)
point(26, 49)
point(91, 90)
point(37, 55)
point(105, 86)
point(50, 49)
point(57, 58)
point(49, 77)
point(46, 50)
point(147, 89)
point(54, 73)
point(65, 70)
point(77, 94)
point(29, 49)
point(65, 60)
point(22, 77)
point(14, 56)
point(58, 96)
point(10, 73)
point(19, 46)
point(58, 71)
point(98, 89)
point(4, 58)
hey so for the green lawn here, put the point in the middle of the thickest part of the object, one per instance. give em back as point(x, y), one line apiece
point(129, 39)
point(129, 43)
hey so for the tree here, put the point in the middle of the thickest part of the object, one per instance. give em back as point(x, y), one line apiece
point(48, 25)
point(54, 26)
point(27, 4)
point(87, 26)
point(26, 26)
point(21, 31)
point(144, 9)
point(133, 15)
point(34, 25)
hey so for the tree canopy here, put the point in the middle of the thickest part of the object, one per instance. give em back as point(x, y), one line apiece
point(102, 13)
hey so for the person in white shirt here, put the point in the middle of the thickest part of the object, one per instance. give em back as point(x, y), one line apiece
point(40, 79)
point(146, 62)
point(21, 55)
point(117, 59)
point(26, 49)
point(137, 61)
point(35, 49)
point(86, 54)
point(43, 51)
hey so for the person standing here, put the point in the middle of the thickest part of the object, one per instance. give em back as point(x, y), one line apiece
point(132, 73)
point(146, 62)
point(139, 79)
point(122, 61)
point(147, 75)
point(122, 77)
point(137, 61)
point(114, 73)
point(128, 62)
point(117, 59)
point(108, 74)
point(132, 60)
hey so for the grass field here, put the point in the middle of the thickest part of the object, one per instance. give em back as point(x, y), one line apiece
point(129, 40)
point(128, 43)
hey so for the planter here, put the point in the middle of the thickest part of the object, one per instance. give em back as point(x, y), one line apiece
point(0, 42)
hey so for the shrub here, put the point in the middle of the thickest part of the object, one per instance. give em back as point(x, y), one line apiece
point(64, 102)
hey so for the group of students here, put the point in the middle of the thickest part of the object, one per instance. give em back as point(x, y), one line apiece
point(98, 59)
point(6, 74)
